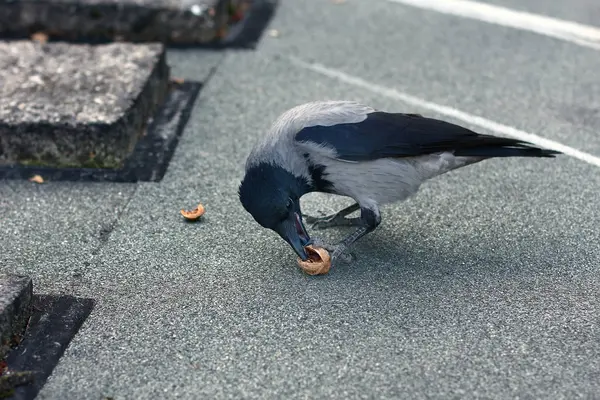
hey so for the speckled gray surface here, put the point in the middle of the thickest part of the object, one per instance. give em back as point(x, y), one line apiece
point(518, 78)
point(582, 11)
point(191, 64)
point(482, 286)
point(52, 231)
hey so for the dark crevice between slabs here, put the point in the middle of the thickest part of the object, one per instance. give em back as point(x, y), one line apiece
point(234, 24)
point(54, 322)
point(151, 155)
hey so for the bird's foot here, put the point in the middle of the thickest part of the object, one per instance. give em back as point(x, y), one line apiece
point(337, 219)
point(331, 221)
point(338, 252)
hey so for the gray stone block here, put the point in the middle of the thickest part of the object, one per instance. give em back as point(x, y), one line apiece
point(77, 105)
point(174, 21)
point(15, 307)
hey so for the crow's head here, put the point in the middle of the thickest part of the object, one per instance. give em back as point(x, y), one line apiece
point(271, 195)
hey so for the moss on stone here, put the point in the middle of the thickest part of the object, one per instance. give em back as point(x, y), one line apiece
point(92, 162)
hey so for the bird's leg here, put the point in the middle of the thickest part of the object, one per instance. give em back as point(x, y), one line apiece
point(331, 248)
point(337, 219)
point(370, 219)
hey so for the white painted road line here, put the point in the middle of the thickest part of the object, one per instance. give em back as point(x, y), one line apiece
point(583, 35)
point(447, 111)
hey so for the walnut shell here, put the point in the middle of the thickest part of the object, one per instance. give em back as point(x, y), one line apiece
point(36, 179)
point(193, 214)
point(40, 37)
point(318, 263)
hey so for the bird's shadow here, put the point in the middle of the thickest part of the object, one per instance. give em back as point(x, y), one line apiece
point(411, 253)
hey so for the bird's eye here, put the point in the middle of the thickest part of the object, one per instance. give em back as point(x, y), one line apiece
point(289, 204)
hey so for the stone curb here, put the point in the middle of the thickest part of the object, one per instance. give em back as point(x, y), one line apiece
point(167, 21)
point(67, 104)
point(16, 294)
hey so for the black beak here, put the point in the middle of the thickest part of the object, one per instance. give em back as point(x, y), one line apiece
point(292, 231)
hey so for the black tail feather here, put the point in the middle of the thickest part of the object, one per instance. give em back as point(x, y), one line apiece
point(492, 146)
point(506, 152)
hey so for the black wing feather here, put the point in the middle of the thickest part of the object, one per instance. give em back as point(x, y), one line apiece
point(384, 134)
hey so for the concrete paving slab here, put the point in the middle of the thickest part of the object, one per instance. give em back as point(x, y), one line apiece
point(485, 283)
point(147, 161)
point(174, 21)
point(77, 105)
point(15, 308)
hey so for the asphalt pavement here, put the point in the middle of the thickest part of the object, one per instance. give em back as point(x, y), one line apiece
point(484, 285)
point(582, 11)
